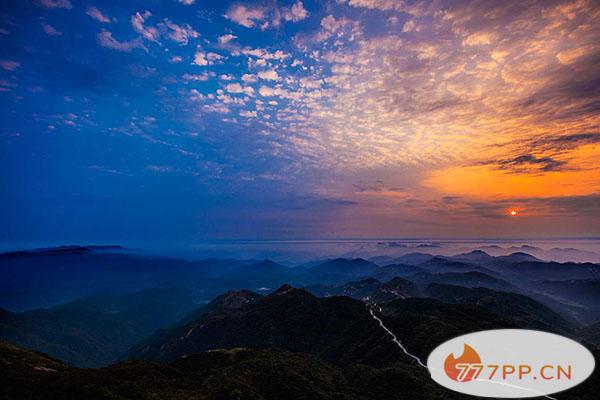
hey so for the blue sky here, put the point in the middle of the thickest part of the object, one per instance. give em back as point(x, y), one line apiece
point(178, 121)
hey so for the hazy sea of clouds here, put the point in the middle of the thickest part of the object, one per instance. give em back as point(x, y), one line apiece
point(299, 251)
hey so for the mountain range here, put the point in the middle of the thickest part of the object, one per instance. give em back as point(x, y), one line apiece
point(221, 328)
point(218, 374)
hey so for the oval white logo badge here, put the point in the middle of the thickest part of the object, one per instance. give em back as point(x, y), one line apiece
point(510, 363)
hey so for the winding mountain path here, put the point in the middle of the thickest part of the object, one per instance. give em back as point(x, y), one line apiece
point(399, 343)
point(395, 339)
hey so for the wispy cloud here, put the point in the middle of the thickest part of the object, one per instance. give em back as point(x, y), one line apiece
point(265, 17)
point(9, 65)
point(106, 39)
point(96, 14)
point(181, 34)
point(66, 4)
point(246, 15)
point(50, 30)
point(565, 141)
point(160, 168)
point(526, 161)
point(138, 21)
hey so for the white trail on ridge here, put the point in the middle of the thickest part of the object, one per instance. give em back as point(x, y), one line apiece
point(395, 339)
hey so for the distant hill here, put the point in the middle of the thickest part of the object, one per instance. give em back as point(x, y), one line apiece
point(412, 259)
point(262, 273)
point(396, 288)
point(94, 332)
point(338, 270)
point(388, 272)
point(82, 337)
point(370, 290)
point(441, 265)
point(48, 277)
point(579, 297)
point(476, 256)
point(160, 305)
point(360, 290)
point(550, 271)
point(424, 323)
point(62, 250)
point(518, 256)
point(466, 279)
point(525, 311)
point(337, 329)
point(230, 300)
point(585, 291)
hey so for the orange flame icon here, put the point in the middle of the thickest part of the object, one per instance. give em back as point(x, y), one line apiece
point(458, 369)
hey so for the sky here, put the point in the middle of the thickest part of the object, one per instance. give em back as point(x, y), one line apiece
point(178, 121)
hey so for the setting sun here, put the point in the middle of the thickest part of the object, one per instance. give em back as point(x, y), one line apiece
point(513, 213)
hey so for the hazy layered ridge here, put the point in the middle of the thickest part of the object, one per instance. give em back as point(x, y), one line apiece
point(385, 250)
point(174, 311)
point(97, 329)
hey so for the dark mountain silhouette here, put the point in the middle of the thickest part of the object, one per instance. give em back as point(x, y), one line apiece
point(388, 272)
point(558, 254)
point(45, 279)
point(502, 264)
point(382, 260)
point(337, 329)
point(413, 258)
point(48, 277)
point(82, 337)
point(361, 289)
point(230, 300)
point(523, 310)
point(423, 323)
point(267, 374)
point(62, 250)
point(585, 292)
point(95, 331)
point(440, 265)
point(482, 260)
point(579, 298)
point(395, 288)
point(466, 279)
point(550, 271)
point(264, 273)
point(355, 267)
point(475, 256)
point(370, 290)
point(571, 254)
point(406, 259)
point(261, 269)
point(140, 308)
point(339, 270)
point(518, 256)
